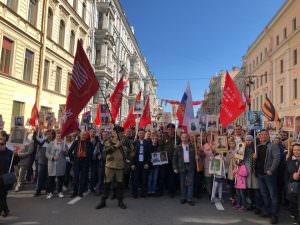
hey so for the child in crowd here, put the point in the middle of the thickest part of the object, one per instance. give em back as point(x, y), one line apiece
point(240, 173)
point(218, 180)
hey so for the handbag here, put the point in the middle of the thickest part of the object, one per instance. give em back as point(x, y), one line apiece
point(293, 187)
point(9, 178)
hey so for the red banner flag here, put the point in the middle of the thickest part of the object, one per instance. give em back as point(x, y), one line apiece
point(98, 116)
point(146, 116)
point(116, 99)
point(34, 116)
point(83, 85)
point(130, 120)
point(232, 102)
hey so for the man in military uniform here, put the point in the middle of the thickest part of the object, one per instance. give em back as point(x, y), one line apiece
point(167, 174)
point(114, 168)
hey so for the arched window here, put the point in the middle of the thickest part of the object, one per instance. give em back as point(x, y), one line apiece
point(49, 23)
point(61, 40)
point(72, 42)
point(32, 12)
point(81, 41)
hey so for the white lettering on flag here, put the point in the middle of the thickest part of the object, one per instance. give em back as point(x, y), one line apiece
point(79, 76)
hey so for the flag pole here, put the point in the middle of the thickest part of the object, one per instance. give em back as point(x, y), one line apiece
point(114, 122)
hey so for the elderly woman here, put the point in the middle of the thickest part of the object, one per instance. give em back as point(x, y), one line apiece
point(208, 149)
point(252, 182)
point(56, 156)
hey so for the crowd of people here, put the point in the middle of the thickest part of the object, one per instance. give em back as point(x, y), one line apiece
point(109, 162)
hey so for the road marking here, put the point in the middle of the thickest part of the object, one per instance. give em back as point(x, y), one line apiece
point(26, 223)
point(219, 206)
point(77, 199)
point(209, 220)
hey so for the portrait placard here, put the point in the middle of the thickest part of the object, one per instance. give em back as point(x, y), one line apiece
point(159, 158)
point(221, 144)
point(17, 136)
point(194, 126)
point(138, 107)
point(289, 124)
point(254, 120)
point(212, 123)
point(240, 151)
point(202, 122)
point(19, 121)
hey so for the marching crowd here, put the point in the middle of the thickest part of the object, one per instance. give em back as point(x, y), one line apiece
point(108, 162)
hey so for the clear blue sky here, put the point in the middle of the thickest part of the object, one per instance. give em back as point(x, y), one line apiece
point(195, 39)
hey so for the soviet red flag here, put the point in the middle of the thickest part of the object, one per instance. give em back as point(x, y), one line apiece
point(146, 116)
point(116, 99)
point(98, 116)
point(232, 102)
point(130, 120)
point(83, 85)
point(34, 116)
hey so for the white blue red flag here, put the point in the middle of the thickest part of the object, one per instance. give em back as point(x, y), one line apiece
point(187, 102)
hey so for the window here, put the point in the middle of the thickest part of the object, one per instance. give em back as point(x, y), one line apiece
point(46, 74)
point(6, 56)
point(266, 52)
point(277, 40)
point(295, 84)
point(257, 103)
point(17, 110)
point(61, 40)
point(281, 66)
point(253, 84)
point(32, 12)
point(58, 79)
point(83, 11)
point(266, 77)
point(49, 23)
point(72, 42)
point(281, 94)
point(75, 2)
point(261, 100)
point(261, 80)
point(294, 24)
point(257, 83)
point(256, 60)
point(100, 21)
point(261, 57)
point(68, 83)
point(284, 33)
point(295, 56)
point(130, 87)
point(28, 65)
point(12, 4)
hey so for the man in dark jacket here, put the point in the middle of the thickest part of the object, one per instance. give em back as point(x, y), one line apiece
point(81, 155)
point(184, 165)
point(167, 144)
point(140, 164)
point(267, 162)
point(5, 161)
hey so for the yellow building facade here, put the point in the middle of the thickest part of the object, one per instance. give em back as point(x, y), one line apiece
point(273, 63)
point(38, 42)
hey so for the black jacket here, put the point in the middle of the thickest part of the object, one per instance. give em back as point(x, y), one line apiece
point(74, 148)
point(147, 153)
point(5, 160)
point(293, 167)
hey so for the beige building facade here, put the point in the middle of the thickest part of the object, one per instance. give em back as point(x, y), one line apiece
point(38, 41)
point(273, 63)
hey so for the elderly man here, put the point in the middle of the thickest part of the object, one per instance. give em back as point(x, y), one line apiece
point(267, 161)
point(184, 164)
point(81, 153)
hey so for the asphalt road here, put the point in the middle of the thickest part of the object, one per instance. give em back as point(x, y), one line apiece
point(27, 210)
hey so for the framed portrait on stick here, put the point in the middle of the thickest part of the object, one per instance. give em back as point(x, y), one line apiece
point(240, 151)
point(138, 107)
point(193, 126)
point(212, 123)
point(159, 158)
point(216, 166)
point(289, 124)
point(221, 144)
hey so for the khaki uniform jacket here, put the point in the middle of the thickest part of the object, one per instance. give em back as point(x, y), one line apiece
point(114, 157)
point(167, 144)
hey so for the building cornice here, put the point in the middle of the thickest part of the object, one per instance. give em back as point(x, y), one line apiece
point(275, 18)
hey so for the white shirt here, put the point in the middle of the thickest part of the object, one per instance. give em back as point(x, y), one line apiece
point(141, 152)
point(186, 154)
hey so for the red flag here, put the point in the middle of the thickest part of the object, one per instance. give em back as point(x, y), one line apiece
point(146, 116)
point(116, 99)
point(180, 114)
point(232, 102)
point(34, 115)
point(130, 120)
point(98, 116)
point(83, 85)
